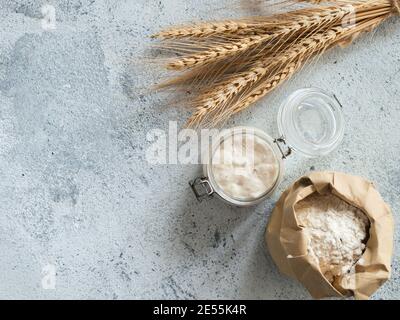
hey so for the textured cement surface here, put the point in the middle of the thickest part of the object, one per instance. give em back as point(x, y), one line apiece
point(77, 194)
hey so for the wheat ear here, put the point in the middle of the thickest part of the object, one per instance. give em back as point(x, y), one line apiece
point(203, 29)
point(251, 59)
point(218, 101)
point(201, 115)
point(325, 18)
point(246, 26)
point(330, 41)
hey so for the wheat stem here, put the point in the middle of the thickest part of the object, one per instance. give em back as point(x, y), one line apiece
point(238, 47)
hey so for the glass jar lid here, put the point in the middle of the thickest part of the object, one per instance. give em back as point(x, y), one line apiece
point(311, 122)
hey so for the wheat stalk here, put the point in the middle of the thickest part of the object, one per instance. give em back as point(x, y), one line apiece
point(232, 64)
point(245, 26)
point(202, 114)
point(266, 87)
point(204, 29)
point(325, 18)
point(217, 101)
point(219, 105)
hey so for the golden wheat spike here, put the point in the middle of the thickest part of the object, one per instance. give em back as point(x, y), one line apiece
point(203, 29)
point(233, 64)
point(218, 102)
point(323, 18)
point(245, 26)
point(251, 86)
point(265, 87)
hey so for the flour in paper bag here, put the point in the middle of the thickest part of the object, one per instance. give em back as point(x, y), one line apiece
point(336, 233)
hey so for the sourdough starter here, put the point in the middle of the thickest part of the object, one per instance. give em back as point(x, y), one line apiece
point(245, 167)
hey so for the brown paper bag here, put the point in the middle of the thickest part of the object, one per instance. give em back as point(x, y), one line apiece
point(288, 245)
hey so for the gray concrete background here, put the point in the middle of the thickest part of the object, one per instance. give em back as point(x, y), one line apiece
point(77, 194)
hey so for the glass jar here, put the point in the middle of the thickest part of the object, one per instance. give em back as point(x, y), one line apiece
point(310, 121)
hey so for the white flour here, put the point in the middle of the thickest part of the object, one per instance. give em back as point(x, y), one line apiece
point(337, 233)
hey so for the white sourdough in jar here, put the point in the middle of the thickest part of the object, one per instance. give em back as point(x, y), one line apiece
point(244, 166)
